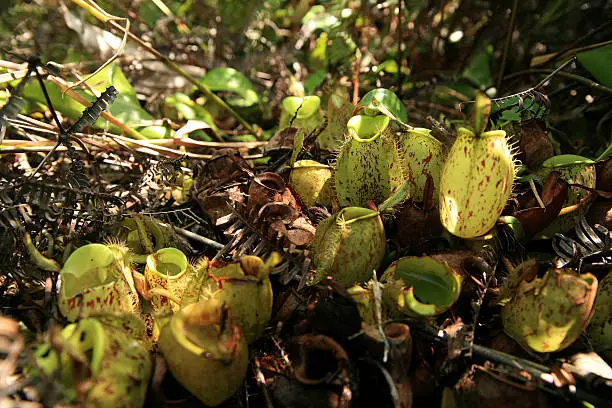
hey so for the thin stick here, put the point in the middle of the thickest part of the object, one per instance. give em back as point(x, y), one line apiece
point(542, 82)
point(44, 160)
point(535, 193)
point(187, 142)
point(400, 55)
point(570, 48)
point(199, 238)
point(100, 13)
point(551, 73)
point(261, 381)
point(13, 75)
point(49, 104)
point(61, 136)
point(356, 77)
point(31, 149)
point(80, 99)
point(574, 77)
point(605, 153)
point(21, 142)
point(507, 44)
point(201, 87)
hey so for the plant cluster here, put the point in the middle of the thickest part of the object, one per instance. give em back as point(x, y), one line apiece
point(306, 205)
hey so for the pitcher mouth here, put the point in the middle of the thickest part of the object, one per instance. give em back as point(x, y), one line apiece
point(490, 133)
point(365, 129)
point(170, 263)
point(216, 344)
point(430, 287)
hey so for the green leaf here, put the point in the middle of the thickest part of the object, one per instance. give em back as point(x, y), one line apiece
point(320, 19)
point(317, 59)
point(387, 99)
point(149, 13)
point(180, 106)
point(231, 80)
point(511, 115)
point(396, 198)
point(339, 111)
point(67, 106)
point(301, 108)
point(314, 81)
point(112, 75)
point(421, 286)
point(565, 160)
point(453, 93)
point(597, 62)
point(126, 107)
point(342, 48)
point(389, 66)
point(481, 113)
point(298, 143)
point(479, 68)
point(237, 14)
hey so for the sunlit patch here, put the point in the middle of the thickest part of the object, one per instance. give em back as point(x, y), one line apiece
point(552, 337)
point(455, 36)
point(450, 213)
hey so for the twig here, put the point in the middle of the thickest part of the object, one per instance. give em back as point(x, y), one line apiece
point(533, 89)
point(20, 142)
point(198, 143)
point(507, 44)
point(356, 77)
point(155, 149)
point(81, 99)
point(102, 15)
point(535, 193)
point(377, 288)
point(32, 149)
point(261, 381)
point(574, 77)
point(570, 48)
point(400, 55)
point(61, 136)
point(201, 87)
point(283, 354)
point(477, 304)
point(552, 74)
point(14, 75)
point(431, 105)
point(199, 238)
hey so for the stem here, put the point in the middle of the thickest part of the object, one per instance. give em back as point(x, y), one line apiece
point(94, 9)
point(100, 14)
point(80, 99)
point(39, 259)
point(574, 77)
point(507, 44)
point(400, 58)
point(201, 87)
point(362, 217)
point(535, 193)
point(356, 77)
point(199, 238)
point(606, 153)
point(570, 48)
point(163, 8)
point(30, 149)
point(552, 74)
point(46, 95)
